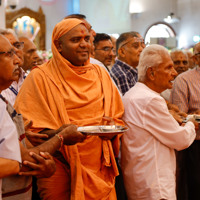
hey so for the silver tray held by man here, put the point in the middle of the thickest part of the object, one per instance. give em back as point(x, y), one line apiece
point(106, 130)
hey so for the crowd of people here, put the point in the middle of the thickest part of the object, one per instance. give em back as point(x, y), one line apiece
point(93, 79)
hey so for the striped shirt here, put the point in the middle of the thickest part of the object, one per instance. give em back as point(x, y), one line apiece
point(186, 91)
point(124, 76)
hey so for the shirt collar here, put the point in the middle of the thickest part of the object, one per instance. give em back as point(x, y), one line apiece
point(125, 65)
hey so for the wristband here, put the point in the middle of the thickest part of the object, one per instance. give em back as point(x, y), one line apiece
point(60, 137)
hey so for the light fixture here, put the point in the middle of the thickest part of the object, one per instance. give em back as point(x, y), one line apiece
point(12, 3)
point(171, 18)
point(135, 7)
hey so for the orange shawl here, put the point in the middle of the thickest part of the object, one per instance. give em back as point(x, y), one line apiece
point(58, 93)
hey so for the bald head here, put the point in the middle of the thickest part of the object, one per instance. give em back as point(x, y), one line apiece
point(29, 53)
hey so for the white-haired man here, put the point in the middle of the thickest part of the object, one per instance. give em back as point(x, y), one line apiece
point(148, 157)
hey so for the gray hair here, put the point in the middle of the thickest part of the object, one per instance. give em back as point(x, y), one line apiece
point(176, 51)
point(151, 56)
point(121, 40)
point(7, 31)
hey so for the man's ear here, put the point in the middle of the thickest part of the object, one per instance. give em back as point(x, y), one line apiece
point(121, 52)
point(150, 73)
point(194, 58)
point(58, 45)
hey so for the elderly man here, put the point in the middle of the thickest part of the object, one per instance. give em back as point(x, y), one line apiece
point(180, 60)
point(148, 157)
point(68, 89)
point(190, 59)
point(30, 54)
point(103, 49)
point(11, 93)
point(128, 47)
point(181, 64)
point(186, 95)
point(10, 156)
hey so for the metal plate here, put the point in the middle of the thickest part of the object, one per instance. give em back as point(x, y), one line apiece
point(102, 130)
point(196, 117)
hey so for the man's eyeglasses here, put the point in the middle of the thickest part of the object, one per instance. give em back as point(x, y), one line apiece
point(178, 62)
point(9, 53)
point(18, 45)
point(107, 49)
point(134, 42)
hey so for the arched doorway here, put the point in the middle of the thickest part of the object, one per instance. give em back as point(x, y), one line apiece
point(30, 23)
point(161, 33)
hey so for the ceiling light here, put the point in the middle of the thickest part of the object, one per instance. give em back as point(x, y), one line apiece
point(171, 18)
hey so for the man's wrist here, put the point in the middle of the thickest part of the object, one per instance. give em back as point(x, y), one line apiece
point(60, 137)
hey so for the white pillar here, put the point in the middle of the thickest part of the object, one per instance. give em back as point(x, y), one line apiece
point(2, 14)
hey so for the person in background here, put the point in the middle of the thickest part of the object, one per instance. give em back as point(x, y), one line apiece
point(190, 59)
point(180, 60)
point(66, 90)
point(103, 49)
point(148, 157)
point(129, 46)
point(113, 39)
point(30, 54)
point(181, 64)
point(186, 95)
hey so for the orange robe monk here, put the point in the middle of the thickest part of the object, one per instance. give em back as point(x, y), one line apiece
point(58, 93)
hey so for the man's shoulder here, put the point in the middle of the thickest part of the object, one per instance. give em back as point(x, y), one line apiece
point(116, 70)
point(140, 90)
point(141, 96)
point(186, 74)
point(96, 62)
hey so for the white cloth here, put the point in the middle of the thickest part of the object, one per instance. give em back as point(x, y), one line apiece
point(97, 62)
point(9, 143)
point(166, 94)
point(9, 94)
point(148, 157)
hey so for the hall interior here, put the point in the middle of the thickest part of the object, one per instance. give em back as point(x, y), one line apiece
point(171, 23)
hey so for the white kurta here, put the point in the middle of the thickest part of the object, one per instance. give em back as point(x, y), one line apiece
point(148, 157)
point(9, 143)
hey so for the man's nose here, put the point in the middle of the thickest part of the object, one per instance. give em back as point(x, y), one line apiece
point(35, 55)
point(111, 52)
point(16, 59)
point(83, 43)
point(174, 72)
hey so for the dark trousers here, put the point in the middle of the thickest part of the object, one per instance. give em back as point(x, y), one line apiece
point(188, 173)
point(35, 195)
point(119, 184)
